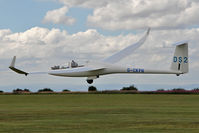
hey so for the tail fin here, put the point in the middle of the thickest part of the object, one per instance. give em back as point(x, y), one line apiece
point(180, 59)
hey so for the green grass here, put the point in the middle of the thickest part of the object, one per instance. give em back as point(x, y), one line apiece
point(99, 113)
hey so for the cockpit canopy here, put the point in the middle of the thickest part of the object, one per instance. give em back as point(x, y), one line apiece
point(71, 64)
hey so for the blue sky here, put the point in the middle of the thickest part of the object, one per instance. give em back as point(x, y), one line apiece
point(100, 29)
point(24, 14)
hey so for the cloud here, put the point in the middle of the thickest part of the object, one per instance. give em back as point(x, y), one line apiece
point(42, 43)
point(37, 49)
point(139, 14)
point(58, 16)
point(86, 3)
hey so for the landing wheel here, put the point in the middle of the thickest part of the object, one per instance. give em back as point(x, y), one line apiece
point(90, 81)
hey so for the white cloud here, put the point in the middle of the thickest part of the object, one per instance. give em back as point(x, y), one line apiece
point(86, 3)
point(40, 48)
point(58, 16)
point(136, 14)
point(53, 44)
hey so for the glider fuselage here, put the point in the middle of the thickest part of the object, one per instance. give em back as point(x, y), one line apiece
point(104, 70)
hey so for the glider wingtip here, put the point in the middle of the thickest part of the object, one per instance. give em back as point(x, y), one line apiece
point(148, 30)
point(13, 61)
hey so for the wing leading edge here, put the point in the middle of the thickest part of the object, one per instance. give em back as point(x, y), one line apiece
point(89, 68)
point(127, 51)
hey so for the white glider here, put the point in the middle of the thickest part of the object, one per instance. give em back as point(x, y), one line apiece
point(92, 70)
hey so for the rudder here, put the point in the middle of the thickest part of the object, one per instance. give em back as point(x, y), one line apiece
point(180, 59)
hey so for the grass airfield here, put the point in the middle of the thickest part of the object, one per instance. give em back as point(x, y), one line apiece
point(99, 113)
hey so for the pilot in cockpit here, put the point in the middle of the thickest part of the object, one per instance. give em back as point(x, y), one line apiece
point(74, 64)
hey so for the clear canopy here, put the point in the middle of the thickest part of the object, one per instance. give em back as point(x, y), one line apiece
point(71, 64)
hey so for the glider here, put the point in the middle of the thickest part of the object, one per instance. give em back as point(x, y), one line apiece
point(93, 70)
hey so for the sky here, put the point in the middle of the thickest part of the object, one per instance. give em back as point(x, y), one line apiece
point(44, 33)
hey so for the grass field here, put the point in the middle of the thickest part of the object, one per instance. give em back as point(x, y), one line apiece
point(99, 113)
